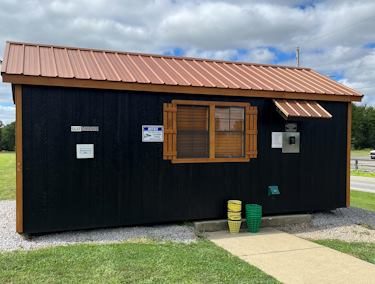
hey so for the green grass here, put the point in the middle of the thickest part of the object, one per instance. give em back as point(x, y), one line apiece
point(201, 262)
point(360, 153)
point(365, 251)
point(361, 173)
point(365, 200)
point(7, 175)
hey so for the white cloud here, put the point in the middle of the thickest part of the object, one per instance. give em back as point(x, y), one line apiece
point(7, 114)
point(261, 55)
point(331, 34)
point(227, 54)
point(5, 94)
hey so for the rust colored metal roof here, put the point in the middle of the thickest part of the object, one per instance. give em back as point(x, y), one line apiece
point(48, 61)
point(301, 109)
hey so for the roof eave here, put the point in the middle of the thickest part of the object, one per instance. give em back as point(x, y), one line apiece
point(147, 87)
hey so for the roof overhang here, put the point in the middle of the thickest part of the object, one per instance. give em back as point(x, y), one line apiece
point(295, 109)
point(164, 88)
point(50, 65)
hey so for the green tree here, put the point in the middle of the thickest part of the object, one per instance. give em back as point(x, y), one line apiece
point(1, 128)
point(363, 127)
point(8, 137)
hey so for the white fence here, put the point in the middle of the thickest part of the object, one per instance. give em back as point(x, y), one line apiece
point(362, 164)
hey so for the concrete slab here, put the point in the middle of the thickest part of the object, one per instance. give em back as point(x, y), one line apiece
point(269, 221)
point(294, 260)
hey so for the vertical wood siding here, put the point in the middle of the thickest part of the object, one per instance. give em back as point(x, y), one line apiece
point(129, 183)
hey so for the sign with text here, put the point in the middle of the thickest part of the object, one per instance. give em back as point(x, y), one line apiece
point(152, 133)
point(85, 151)
point(78, 128)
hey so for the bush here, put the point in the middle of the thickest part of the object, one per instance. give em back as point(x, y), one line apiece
point(7, 136)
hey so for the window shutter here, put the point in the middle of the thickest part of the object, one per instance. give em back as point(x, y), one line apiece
point(170, 131)
point(251, 132)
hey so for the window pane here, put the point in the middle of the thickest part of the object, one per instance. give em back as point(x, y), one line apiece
point(236, 113)
point(229, 139)
point(222, 122)
point(222, 112)
point(236, 125)
point(192, 132)
point(229, 144)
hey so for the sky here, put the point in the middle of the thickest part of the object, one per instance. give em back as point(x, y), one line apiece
point(336, 38)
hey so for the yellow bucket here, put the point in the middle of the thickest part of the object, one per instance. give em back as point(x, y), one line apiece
point(234, 226)
point(233, 201)
point(235, 216)
point(234, 205)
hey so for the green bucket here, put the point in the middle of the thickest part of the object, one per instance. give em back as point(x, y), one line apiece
point(253, 217)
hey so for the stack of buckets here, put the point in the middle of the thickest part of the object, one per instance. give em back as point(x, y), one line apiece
point(253, 217)
point(234, 215)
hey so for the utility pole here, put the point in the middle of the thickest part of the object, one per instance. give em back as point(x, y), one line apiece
point(297, 55)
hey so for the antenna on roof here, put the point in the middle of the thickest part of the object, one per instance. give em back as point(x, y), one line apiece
point(297, 55)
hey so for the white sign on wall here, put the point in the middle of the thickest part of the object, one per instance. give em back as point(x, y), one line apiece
point(152, 133)
point(277, 140)
point(85, 151)
point(77, 128)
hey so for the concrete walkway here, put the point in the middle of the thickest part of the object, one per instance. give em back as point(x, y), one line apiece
point(294, 260)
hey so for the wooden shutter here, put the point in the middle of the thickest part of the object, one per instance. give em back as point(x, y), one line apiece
point(251, 132)
point(170, 131)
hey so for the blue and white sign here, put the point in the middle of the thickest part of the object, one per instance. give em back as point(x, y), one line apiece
point(152, 133)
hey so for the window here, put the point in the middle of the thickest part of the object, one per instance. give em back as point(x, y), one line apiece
point(192, 132)
point(198, 132)
point(229, 132)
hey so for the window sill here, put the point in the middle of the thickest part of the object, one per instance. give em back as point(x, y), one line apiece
point(210, 160)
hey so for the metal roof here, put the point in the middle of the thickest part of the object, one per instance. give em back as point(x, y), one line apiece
point(48, 61)
point(301, 109)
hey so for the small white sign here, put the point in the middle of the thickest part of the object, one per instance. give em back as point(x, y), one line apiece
point(75, 128)
point(152, 133)
point(277, 140)
point(85, 151)
point(84, 128)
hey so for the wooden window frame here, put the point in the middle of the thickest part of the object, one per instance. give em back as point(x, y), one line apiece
point(170, 144)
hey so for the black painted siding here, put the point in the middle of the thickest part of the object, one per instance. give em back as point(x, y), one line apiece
point(129, 183)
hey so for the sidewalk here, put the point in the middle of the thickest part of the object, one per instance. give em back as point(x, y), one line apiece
point(294, 260)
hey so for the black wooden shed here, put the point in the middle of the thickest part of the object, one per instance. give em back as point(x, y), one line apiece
point(109, 138)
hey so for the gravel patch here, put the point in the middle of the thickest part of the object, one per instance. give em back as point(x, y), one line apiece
point(10, 240)
point(346, 224)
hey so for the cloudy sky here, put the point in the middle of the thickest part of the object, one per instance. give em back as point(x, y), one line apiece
point(337, 38)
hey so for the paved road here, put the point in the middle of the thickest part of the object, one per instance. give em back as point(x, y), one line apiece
point(362, 183)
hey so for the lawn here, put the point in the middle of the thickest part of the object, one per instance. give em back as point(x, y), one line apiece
point(365, 200)
point(365, 251)
point(361, 173)
point(7, 175)
point(201, 262)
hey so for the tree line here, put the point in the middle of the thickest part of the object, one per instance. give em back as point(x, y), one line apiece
point(363, 130)
point(7, 136)
point(363, 127)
